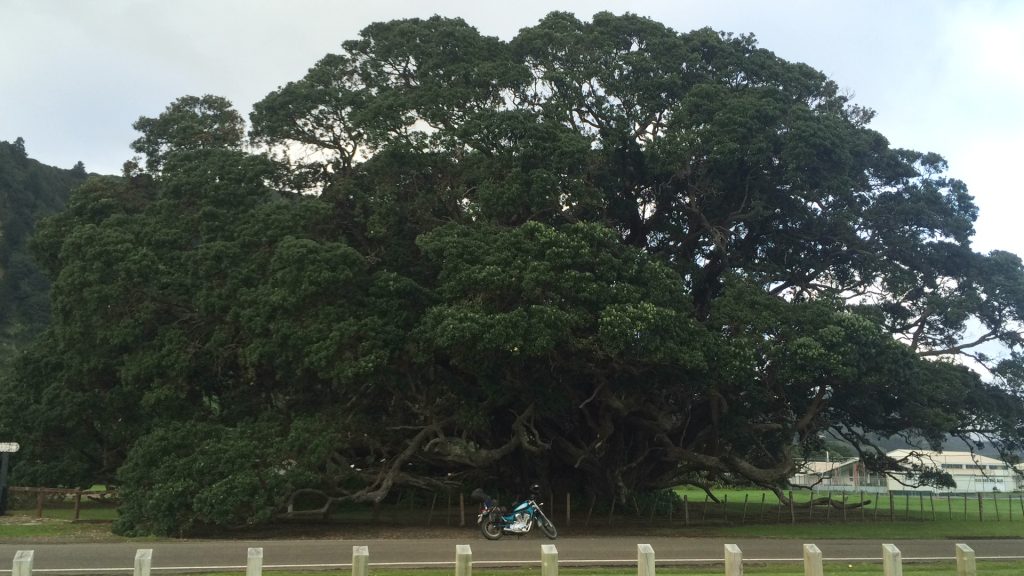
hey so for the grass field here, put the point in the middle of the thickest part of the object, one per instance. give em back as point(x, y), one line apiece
point(761, 506)
point(741, 513)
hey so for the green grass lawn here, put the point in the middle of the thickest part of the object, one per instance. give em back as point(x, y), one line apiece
point(741, 514)
point(760, 506)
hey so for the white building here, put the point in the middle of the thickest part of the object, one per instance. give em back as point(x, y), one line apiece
point(842, 475)
point(971, 472)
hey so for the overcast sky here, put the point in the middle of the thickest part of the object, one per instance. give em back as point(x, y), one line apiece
point(944, 75)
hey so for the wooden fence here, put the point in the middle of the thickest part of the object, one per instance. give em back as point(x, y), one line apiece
point(892, 561)
point(455, 509)
point(760, 508)
point(74, 495)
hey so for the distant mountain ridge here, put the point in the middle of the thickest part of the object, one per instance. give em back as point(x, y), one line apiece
point(29, 191)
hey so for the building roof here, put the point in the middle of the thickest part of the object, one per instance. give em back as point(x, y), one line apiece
point(816, 467)
point(940, 458)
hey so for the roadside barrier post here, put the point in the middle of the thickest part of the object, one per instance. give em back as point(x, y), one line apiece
point(548, 560)
point(965, 565)
point(143, 562)
point(812, 561)
point(734, 560)
point(360, 560)
point(463, 560)
point(22, 565)
point(254, 562)
point(892, 560)
point(644, 560)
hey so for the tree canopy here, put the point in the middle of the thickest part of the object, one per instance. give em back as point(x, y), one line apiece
point(603, 255)
point(29, 191)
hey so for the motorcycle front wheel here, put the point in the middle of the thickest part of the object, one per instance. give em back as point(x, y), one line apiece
point(548, 528)
point(491, 529)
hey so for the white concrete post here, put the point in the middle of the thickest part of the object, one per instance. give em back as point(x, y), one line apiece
point(143, 561)
point(360, 560)
point(733, 560)
point(254, 562)
point(22, 565)
point(463, 560)
point(812, 561)
point(644, 560)
point(548, 560)
point(892, 560)
point(965, 565)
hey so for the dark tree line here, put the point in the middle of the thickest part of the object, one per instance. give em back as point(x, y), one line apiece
point(29, 191)
point(603, 255)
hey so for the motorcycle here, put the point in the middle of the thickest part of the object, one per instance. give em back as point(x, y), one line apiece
point(495, 521)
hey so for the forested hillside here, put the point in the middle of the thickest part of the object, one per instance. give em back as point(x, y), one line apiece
point(604, 256)
point(29, 191)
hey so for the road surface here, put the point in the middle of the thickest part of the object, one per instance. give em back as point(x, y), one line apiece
point(180, 556)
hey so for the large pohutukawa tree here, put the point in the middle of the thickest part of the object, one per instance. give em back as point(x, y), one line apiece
point(815, 267)
point(604, 255)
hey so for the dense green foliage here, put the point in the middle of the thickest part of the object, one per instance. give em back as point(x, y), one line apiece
point(29, 191)
point(603, 255)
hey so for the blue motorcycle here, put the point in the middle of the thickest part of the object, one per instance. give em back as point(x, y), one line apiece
point(495, 521)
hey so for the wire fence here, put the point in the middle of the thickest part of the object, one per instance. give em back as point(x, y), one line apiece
point(682, 507)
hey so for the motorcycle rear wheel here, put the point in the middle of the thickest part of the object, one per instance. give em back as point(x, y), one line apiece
point(548, 528)
point(491, 529)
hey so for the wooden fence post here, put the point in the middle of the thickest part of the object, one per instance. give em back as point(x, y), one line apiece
point(22, 565)
point(965, 505)
point(892, 560)
point(725, 509)
point(360, 560)
point(644, 560)
point(981, 508)
point(462, 509)
point(995, 504)
point(548, 560)
point(965, 565)
point(568, 508)
point(590, 511)
point(143, 562)
point(792, 512)
point(39, 504)
point(892, 508)
point(463, 560)
point(78, 504)
point(760, 513)
point(733, 560)
point(812, 561)
point(743, 520)
point(686, 511)
point(254, 562)
point(931, 502)
point(828, 507)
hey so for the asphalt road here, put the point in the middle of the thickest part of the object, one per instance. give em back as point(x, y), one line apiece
point(311, 554)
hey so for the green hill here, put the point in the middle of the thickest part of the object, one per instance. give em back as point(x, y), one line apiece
point(29, 191)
